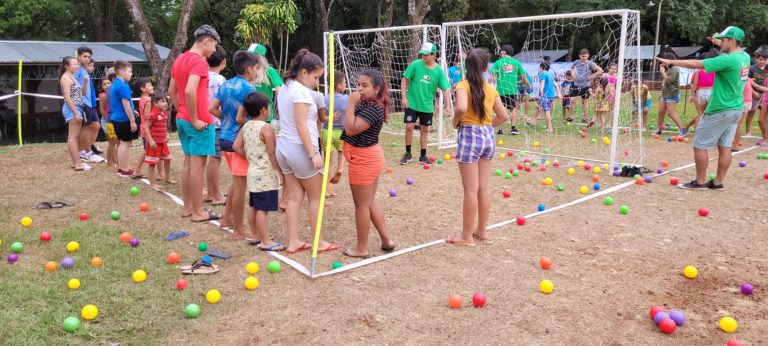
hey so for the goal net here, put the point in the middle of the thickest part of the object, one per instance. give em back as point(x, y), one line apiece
point(390, 50)
point(612, 38)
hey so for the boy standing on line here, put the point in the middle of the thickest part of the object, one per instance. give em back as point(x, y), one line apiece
point(122, 116)
point(420, 81)
point(584, 71)
point(90, 116)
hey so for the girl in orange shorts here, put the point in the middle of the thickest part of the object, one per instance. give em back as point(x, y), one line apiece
point(367, 111)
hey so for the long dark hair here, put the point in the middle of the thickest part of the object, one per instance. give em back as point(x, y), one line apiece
point(304, 60)
point(382, 97)
point(64, 64)
point(476, 63)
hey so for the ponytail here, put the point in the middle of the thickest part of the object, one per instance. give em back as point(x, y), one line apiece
point(382, 97)
point(304, 60)
point(64, 65)
point(477, 63)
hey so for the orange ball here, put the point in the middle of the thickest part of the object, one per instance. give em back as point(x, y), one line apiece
point(390, 169)
point(125, 237)
point(639, 181)
point(173, 258)
point(51, 266)
point(143, 207)
point(97, 261)
point(596, 178)
point(454, 301)
point(664, 164)
point(545, 262)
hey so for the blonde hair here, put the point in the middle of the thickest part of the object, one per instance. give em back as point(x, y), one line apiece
point(261, 71)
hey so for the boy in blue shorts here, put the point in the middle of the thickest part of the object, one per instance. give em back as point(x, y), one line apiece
point(548, 91)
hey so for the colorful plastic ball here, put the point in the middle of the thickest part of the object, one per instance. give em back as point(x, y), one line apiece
point(659, 171)
point(115, 215)
point(547, 181)
point(426, 166)
point(46, 236)
point(336, 265)
point(134, 242)
point(478, 299)
point(639, 181)
point(213, 296)
point(728, 324)
point(71, 324)
point(432, 159)
point(409, 181)
point(545, 262)
point(541, 207)
point(677, 316)
point(273, 267)
point(596, 187)
point(143, 207)
point(580, 163)
point(520, 220)
point(97, 262)
point(593, 140)
point(439, 161)
point(516, 173)
point(654, 310)
point(51, 266)
point(125, 237)
point(667, 326)
point(690, 272)
point(89, 312)
point(139, 276)
point(73, 246)
point(560, 187)
point(616, 172)
point(447, 157)
point(17, 247)
point(520, 166)
point(546, 150)
point(546, 286)
point(497, 172)
point(135, 191)
point(192, 311)
point(12, 258)
point(390, 169)
point(555, 164)
point(624, 209)
point(648, 179)
point(507, 175)
point(765, 175)
point(596, 170)
point(454, 301)
point(207, 260)
point(608, 200)
point(252, 268)
point(587, 167)
point(181, 284)
point(502, 156)
point(500, 142)
point(392, 193)
point(742, 163)
point(202, 247)
point(703, 212)
point(453, 155)
point(660, 316)
point(26, 221)
point(83, 216)
point(746, 288)
point(669, 139)
point(506, 194)
point(571, 171)
point(583, 190)
point(536, 144)
point(734, 342)
point(251, 283)
point(655, 136)
point(583, 135)
point(673, 181)
point(606, 140)
point(73, 284)
point(173, 257)
point(711, 176)
point(510, 153)
point(67, 262)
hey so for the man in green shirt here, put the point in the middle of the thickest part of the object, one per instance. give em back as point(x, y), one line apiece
point(507, 71)
point(420, 81)
point(267, 79)
point(721, 118)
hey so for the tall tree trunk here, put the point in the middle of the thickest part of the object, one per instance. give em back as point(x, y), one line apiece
point(97, 20)
point(385, 20)
point(417, 10)
point(571, 44)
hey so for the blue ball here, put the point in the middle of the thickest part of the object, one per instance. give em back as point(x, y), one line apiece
point(660, 316)
point(678, 317)
point(543, 160)
point(541, 207)
point(596, 187)
point(669, 139)
point(206, 259)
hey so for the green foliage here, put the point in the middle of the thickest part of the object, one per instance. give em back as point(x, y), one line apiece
point(259, 21)
point(37, 19)
point(690, 19)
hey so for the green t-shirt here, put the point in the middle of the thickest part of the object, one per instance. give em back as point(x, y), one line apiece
point(423, 82)
point(274, 81)
point(507, 71)
point(731, 71)
point(671, 88)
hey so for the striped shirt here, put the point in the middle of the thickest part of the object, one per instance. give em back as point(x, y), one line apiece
point(373, 114)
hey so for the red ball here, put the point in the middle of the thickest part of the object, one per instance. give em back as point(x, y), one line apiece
point(432, 159)
point(679, 138)
point(555, 164)
point(478, 299)
point(626, 152)
point(543, 169)
point(765, 175)
point(655, 309)
point(527, 168)
point(506, 194)
point(45, 236)
point(510, 154)
point(639, 181)
point(83, 216)
point(181, 284)
point(545, 262)
point(521, 220)
point(674, 181)
point(583, 135)
point(520, 166)
point(426, 166)
point(734, 342)
point(667, 325)
point(527, 160)
point(143, 207)
point(587, 167)
point(511, 170)
point(703, 211)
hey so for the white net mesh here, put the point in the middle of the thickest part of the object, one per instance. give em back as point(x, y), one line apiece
point(390, 51)
point(535, 39)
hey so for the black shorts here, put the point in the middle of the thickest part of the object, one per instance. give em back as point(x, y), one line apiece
point(123, 131)
point(582, 92)
point(412, 116)
point(90, 115)
point(265, 200)
point(509, 101)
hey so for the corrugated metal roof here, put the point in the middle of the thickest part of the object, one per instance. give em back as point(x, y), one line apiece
point(535, 56)
point(646, 52)
point(48, 52)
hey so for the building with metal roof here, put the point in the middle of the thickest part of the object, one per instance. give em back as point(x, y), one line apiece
point(51, 52)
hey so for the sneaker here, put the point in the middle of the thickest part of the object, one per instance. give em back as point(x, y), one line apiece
point(693, 185)
point(96, 159)
point(424, 160)
point(96, 150)
point(406, 159)
point(683, 132)
point(712, 186)
point(500, 132)
point(514, 131)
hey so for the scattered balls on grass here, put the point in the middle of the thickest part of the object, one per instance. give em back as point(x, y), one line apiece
point(252, 268)
point(545, 262)
point(546, 286)
point(690, 272)
point(506, 194)
point(46, 236)
point(454, 301)
point(392, 193)
point(192, 311)
point(654, 310)
point(541, 207)
point(336, 265)
point(571, 171)
point(703, 212)
point(125, 237)
point(746, 288)
point(202, 247)
point(134, 242)
point(742, 164)
point(83, 216)
point(97, 262)
point(213, 296)
point(734, 342)
point(173, 258)
point(659, 316)
point(26, 221)
point(73, 284)
point(678, 317)
point(73, 246)
point(251, 283)
point(624, 209)
point(273, 266)
point(17, 247)
point(115, 215)
point(673, 181)
point(667, 326)
point(71, 324)
point(135, 191)
point(520, 220)
point(67, 262)
point(181, 284)
point(143, 207)
point(728, 324)
point(51, 266)
point(608, 201)
point(583, 190)
point(89, 312)
point(409, 181)
point(390, 169)
point(139, 276)
point(12, 258)
point(478, 299)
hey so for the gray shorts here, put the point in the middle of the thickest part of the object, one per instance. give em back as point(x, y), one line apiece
point(716, 128)
point(292, 159)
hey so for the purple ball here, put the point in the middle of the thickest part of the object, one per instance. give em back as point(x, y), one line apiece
point(134, 242)
point(742, 163)
point(648, 179)
point(678, 317)
point(12, 258)
point(67, 262)
point(660, 316)
point(659, 171)
point(409, 181)
point(616, 173)
point(392, 193)
point(616, 168)
point(745, 287)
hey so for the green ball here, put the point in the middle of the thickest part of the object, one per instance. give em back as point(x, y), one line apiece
point(651, 127)
point(623, 209)
point(115, 215)
point(673, 128)
point(273, 267)
point(527, 164)
point(560, 187)
point(203, 247)
point(71, 324)
point(608, 201)
point(507, 175)
point(497, 172)
point(17, 247)
point(192, 311)
point(637, 176)
point(134, 191)
point(521, 153)
point(760, 156)
point(534, 163)
point(546, 150)
point(711, 176)
point(515, 173)
point(593, 141)
point(394, 144)
point(439, 161)
point(336, 265)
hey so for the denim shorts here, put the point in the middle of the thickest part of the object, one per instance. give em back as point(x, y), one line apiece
point(716, 128)
point(545, 103)
point(69, 115)
point(475, 143)
point(674, 99)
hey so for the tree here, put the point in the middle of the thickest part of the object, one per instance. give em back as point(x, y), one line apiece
point(37, 19)
point(260, 21)
point(161, 69)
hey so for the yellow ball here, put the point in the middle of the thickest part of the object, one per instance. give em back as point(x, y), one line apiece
point(546, 286)
point(139, 276)
point(571, 171)
point(548, 181)
point(447, 157)
point(690, 272)
point(251, 283)
point(583, 190)
point(606, 140)
point(596, 170)
point(73, 284)
point(26, 221)
point(213, 296)
point(501, 156)
point(89, 312)
point(536, 144)
point(252, 268)
point(547, 163)
point(580, 163)
point(567, 124)
point(500, 142)
point(728, 324)
point(605, 166)
point(73, 246)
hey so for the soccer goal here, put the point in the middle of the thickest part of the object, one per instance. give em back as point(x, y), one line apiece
point(390, 50)
point(612, 37)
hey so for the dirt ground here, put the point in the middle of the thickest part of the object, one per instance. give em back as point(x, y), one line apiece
point(608, 270)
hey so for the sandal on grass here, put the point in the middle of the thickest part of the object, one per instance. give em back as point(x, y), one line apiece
point(277, 247)
point(302, 247)
point(198, 267)
point(348, 253)
point(212, 216)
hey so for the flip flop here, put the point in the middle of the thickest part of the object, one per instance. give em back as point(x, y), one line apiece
point(137, 177)
point(199, 268)
point(272, 248)
point(217, 253)
point(219, 204)
point(452, 240)
point(304, 246)
point(49, 205)
point(176, 235)
point(330, 247)
point(212, 216)
point(388, 248)
point(347, 253)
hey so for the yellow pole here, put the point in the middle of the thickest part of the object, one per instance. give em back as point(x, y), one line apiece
point(331, 69)
point(18, 107)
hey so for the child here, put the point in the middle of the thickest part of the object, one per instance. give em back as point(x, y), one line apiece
point(548, 91)
point(228, 106)
point(645, 97)
point(122, 116)
point(566, 87)
point(701, 90)
point(749, 94)
point(257, 142)
point(109, 129)
point(145, 105)
point(366, 113)
point(339, 107)
point(600, 93)
point(611, 78)
point(156, 132)
point(670, 95)
point(216, 63)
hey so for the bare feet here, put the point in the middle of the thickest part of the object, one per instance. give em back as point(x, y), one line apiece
point(457, 240)
point(241, 236)
point(480, 236)
point(155, 186)
point(170, 181)
point(336, 177)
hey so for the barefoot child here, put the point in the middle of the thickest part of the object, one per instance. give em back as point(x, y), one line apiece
point(548, 91)
point(340, 107)
point(600, 93)
point(216, 63)
point(157, 139)
point(145, 104)
point(256, 141)
point(645, 104)
point(109, 130)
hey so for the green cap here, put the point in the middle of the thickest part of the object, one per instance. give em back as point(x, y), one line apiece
point(732, 32)
point(257, 49)
point(428, 48)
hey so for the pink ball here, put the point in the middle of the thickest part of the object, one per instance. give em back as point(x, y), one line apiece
point(703, 212)
point(655, 309)
point(734, 342)
point(478, 299)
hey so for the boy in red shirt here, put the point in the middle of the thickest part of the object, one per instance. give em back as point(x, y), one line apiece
point(157, 138)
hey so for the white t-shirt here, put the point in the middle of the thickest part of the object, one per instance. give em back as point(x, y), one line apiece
point(215, 81)
point(295, 92)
